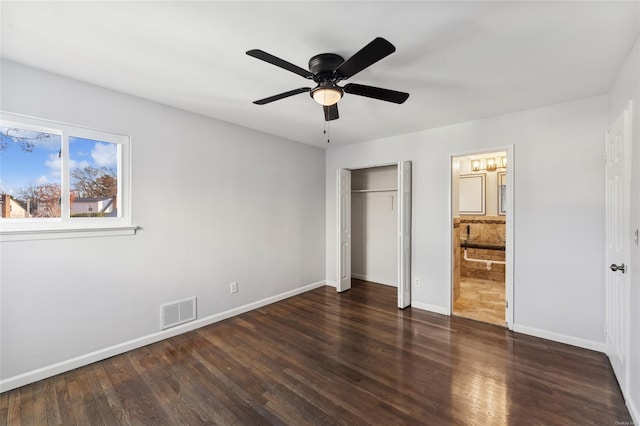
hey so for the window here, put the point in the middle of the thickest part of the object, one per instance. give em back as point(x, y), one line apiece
point(59, 180)
point(93, 176)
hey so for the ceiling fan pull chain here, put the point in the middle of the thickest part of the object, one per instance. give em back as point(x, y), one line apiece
point(325, 131)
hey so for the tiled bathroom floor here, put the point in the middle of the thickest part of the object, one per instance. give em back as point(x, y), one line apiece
point(481, 300)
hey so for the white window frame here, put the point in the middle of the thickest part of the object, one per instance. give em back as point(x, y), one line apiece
point(16, 229)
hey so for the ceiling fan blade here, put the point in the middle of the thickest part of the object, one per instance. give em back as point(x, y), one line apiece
point(368, 55)
point(282, 95)
point(267, 57)
point(331, 112)
point(376, 93)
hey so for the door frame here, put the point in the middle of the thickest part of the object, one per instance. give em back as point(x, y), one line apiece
point(509, 238)
point(403, 276)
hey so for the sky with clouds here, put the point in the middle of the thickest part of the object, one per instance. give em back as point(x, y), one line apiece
point(20, 169)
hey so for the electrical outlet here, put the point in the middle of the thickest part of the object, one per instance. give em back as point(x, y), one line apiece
point(234, 287)
point(416, 281)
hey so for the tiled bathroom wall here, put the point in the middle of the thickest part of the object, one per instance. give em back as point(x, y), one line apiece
point(484, 229)
point(487, 230)
point(479, 270)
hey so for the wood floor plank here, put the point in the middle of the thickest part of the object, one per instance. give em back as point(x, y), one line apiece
point(51, 402)
point(62, 396)
point(4, 408)
point(139, 407)
point(78, 396)
point(13, 408)
point(116, 408)
point(327, 358)
point(244, 398)
point(162, 378)
point(211, 401)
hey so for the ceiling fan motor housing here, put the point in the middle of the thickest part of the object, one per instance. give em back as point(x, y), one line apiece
point(323, 65)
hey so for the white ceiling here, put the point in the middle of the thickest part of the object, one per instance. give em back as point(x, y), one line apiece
point(460, 61)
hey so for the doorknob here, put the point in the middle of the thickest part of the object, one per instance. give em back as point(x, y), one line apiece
point(615, 267)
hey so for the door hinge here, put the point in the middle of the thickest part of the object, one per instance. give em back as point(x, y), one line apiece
point(506, 304)
point(606, 329)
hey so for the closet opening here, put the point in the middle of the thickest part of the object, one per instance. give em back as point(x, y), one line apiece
point(374, 227)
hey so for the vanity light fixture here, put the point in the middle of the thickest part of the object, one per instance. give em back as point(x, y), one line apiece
point(489, 164)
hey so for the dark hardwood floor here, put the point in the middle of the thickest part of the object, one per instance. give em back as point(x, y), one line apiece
point(328, 358)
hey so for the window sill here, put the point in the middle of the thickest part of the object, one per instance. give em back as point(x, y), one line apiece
point(60, 233)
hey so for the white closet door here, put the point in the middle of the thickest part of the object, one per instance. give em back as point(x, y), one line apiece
point(344, 230)
point(404, 234)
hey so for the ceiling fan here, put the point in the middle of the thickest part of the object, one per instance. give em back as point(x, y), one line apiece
point(328, 69)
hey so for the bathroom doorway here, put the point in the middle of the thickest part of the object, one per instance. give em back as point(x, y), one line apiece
point(481, 225)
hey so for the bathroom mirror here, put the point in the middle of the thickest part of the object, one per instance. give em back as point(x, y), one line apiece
point(502, 193)
point(472, 194)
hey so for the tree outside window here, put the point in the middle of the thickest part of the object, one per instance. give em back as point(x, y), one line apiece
point(30, 172)
point(93, 177)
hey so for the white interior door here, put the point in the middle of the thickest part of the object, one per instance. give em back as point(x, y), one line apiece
point(404, 234)
point(344, 230)
point(618, 177)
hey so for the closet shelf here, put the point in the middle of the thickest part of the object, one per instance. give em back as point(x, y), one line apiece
point(374, 190)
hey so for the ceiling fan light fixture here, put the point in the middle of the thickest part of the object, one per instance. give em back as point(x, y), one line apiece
point(326, 96)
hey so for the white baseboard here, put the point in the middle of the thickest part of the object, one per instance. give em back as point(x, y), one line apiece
point(373, 279)
point(331, 284)
point(562, 338)
point(82, 360)
point(431, 308)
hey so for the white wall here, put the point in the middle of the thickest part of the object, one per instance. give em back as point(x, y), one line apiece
point(259, 222)
point(558, 216)
point(627, 88)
